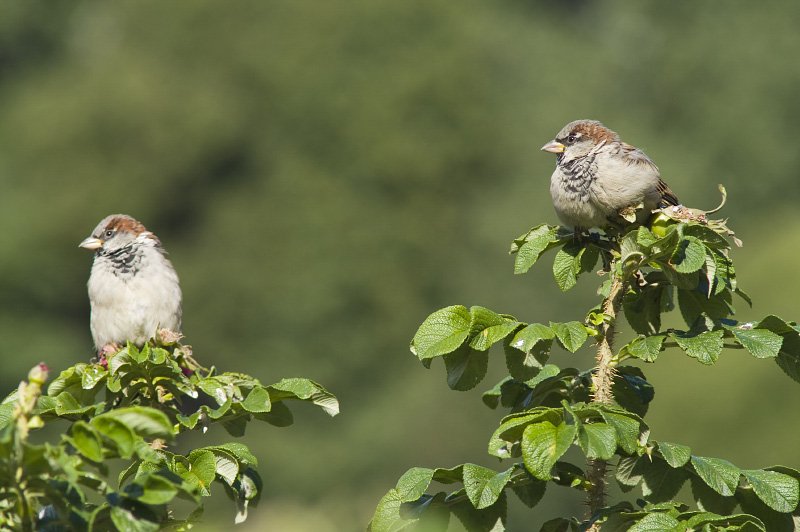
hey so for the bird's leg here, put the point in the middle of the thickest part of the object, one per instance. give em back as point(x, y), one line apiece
point(580, 234)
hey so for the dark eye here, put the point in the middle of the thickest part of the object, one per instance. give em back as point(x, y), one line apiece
point(109, 233)
point(572, 138)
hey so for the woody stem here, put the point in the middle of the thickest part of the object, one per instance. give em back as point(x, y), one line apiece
point(602, 381)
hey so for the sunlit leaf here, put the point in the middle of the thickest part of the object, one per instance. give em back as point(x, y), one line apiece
point(705, 347)
point(483, 485)
point(572, 335)
point(676, 455)
point(720, 475)
point(761, 343)
point(442, 332)
point(543, 443)
point(778, 491)
point(536, 242)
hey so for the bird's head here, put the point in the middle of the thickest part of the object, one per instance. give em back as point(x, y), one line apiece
point(114, 232)
point(577, 139)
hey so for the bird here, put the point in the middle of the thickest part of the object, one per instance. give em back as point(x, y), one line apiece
point(598, 175)
point(133, 288)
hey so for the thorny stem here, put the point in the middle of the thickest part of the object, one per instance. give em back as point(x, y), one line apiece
point(602, 380)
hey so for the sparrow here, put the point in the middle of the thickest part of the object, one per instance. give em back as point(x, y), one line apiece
point(133, 288)
point(597, 176)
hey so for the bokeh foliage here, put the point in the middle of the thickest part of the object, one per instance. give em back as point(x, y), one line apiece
point(326, 173)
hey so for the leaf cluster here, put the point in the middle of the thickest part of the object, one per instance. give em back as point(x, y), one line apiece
point(126, 414)
point(679, 261)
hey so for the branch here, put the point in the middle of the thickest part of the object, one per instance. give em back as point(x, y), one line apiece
point(602, 381)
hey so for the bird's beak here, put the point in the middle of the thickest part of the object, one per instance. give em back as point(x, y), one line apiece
point(91, 243)
point(554, 147)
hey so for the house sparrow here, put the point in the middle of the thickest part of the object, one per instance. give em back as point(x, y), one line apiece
point(133, 288)
point(597, 175)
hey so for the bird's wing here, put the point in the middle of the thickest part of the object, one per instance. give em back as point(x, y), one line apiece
point(636, 157)
point(667, 196)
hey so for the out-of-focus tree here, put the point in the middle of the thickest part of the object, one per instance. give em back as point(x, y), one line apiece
point(312, 165)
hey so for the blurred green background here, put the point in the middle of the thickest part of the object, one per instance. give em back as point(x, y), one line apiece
point(327, 173)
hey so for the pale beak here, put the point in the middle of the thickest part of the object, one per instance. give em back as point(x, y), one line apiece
point(554, 147)
point(91, 243)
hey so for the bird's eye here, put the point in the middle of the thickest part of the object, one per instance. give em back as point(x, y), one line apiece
point(109, 233)
point(572, 138)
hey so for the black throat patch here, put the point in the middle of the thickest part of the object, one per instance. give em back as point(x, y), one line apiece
point(578, 176)
point(125, 262)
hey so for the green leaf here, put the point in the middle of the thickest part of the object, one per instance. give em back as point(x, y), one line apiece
point(530, 492)
point(644, 237)
point(198, 469)
point(693, 303)
point(530, 336)
point(642, 308)
point(492, 398)
point(304, 390)
point(627, 474)
point(709, 500)
point(465, 368)
point(86, 441)
point(488, 327)
point(631, 390)
point(227, 467)
point(387, 516)
point(257, 400)
point(705, 347)
point(449, 475)
point(151, 489)
point(685, 281)
point(536, 242)
point(660, 481)
point(488, 519)
point(410, 487)
point(645, 348)
point(772, 520)
point(789, 358)
point(249, 491)
point(655, 522)
point(413, 483)
point(240, 451)
point(761, 343)
point(778, 491)
point(6, 414)
point(544, 443)
point(527, 352)
point(92, 375)
point(125, 521)
point(627, 428)
point(689, 256)
point(512, 427)
point(66, 404)
point(720, 475)
point(708, 236)
point(598, 440)
point(776, 325)
point(442, 332)
point(145, 421)
point(676, 455)
point(483, 485)
point(572, 334)
point(702, 520)
point(567, 265)
point(118, 432)
point(514, 394)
